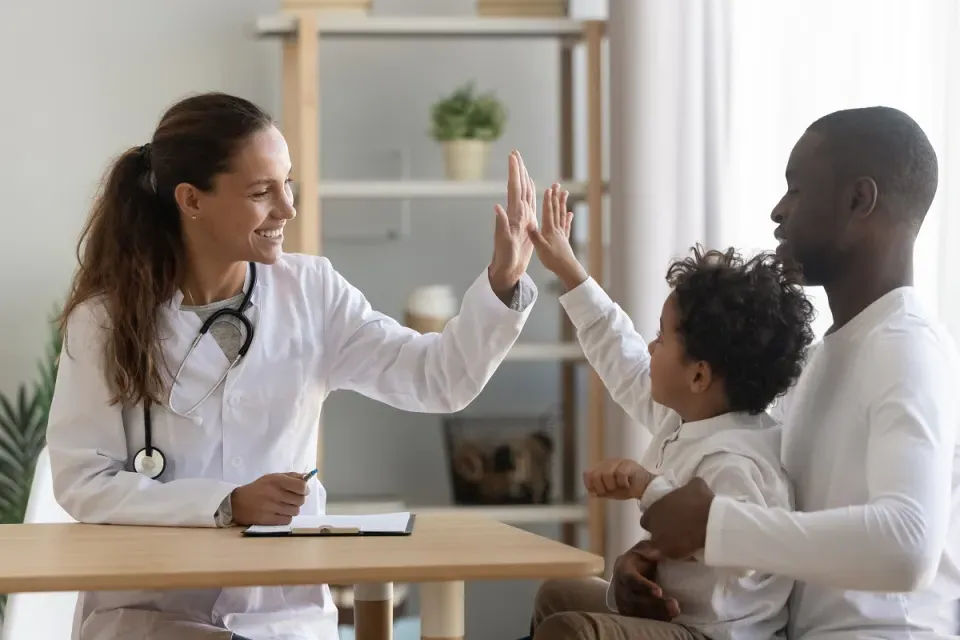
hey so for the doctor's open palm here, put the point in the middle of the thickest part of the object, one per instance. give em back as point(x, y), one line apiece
point(270, 500)
point(512, 247)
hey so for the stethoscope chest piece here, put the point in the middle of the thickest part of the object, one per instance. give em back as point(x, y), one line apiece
point(151, 465)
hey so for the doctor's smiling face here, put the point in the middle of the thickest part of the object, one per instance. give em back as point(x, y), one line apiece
point(184, 212)
point(240, 218)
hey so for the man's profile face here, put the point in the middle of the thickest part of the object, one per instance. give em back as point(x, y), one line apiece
point(809, 216)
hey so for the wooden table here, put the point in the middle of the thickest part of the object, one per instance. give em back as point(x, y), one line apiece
point(442, 553)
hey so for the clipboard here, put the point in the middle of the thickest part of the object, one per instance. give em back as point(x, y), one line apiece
point(383, 524)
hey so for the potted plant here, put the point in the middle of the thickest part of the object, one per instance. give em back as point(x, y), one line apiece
point(23, 428)
point(465, 123)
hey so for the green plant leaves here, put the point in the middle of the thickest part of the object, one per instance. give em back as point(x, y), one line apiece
point(466, 115)
point(23, 425)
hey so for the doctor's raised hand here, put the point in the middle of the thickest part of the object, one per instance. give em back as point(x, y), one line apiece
point(198, 354)
point(512, 247)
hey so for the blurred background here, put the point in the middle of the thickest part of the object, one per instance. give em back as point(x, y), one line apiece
point(682, 138)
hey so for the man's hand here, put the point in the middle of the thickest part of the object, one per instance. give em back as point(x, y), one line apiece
point(512, 246)
point(272, 499)
point(677, 522)
point(553, 242)
point(617, 479)
point(636, 593)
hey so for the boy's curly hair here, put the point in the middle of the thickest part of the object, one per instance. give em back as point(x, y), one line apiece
point(749, 320)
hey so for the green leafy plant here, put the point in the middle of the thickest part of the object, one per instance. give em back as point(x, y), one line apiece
point(467, 115)
point(23, 429)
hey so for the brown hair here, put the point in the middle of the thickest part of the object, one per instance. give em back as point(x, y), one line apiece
point(131, 252)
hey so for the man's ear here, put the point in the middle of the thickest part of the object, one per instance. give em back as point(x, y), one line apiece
point(701, 378)
point(863, 197)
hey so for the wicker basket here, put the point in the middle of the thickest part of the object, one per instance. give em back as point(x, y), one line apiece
point(523, 8)
point(500, 460)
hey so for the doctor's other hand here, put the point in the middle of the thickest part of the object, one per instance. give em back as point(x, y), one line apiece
point(617, 479)
point(553, 240)
point(512, 247)
point(270, 500)
point(636, 593)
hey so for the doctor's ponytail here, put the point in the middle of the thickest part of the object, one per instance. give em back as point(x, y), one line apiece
point(131, 251)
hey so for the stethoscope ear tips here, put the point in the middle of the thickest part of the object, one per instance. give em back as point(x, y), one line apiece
point(150, 466)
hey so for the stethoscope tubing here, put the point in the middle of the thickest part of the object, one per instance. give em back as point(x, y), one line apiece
point(150, 461)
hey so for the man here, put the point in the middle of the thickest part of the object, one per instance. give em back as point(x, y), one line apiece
point(870, 429)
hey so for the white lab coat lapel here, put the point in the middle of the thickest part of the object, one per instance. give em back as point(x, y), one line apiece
point(201, 369)
point(207, 363)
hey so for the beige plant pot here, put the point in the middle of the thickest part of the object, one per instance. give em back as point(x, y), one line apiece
point(523, 8)
point(466, 159)
point(328, 6)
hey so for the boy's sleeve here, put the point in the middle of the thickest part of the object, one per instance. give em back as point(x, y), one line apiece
point(615, 349)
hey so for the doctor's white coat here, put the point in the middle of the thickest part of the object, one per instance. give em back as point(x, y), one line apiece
point(314, 333)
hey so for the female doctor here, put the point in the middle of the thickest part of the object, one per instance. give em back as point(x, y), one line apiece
point(198, 355)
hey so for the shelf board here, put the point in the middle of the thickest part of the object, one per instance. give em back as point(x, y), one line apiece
point(535, 352)
point(425, 189)
point(508, 514)
point(283, 24)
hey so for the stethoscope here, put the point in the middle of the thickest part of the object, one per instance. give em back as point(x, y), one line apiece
point(150, 461)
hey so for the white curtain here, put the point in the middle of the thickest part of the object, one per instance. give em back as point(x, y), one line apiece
point(793, 61)
point(668, 149)
point(707, 98)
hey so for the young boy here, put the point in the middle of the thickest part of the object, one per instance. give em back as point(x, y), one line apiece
point(733, 336)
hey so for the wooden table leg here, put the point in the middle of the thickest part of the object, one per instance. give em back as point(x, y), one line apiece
point(373, 610)
point(441, 610)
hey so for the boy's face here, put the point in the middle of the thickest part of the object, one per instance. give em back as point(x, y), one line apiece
point(674, 378)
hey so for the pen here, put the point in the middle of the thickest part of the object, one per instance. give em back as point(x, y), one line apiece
point(310, 475)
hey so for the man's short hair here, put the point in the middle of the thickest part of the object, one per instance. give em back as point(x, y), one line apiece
point(889, 146)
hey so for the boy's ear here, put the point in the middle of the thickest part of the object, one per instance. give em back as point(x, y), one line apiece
point(702, 377)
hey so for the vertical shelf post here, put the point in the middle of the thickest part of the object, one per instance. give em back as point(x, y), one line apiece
point(300, 122)
point(568, 370)
point(594, 31)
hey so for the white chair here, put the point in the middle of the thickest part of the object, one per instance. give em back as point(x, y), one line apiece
point(40, 616)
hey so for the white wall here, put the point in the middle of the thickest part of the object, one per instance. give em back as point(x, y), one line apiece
point(84, 80)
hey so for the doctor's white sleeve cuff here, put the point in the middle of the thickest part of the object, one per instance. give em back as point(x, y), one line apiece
point(523, 295)
point(220, 498)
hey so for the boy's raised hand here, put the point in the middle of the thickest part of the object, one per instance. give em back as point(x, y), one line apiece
point(552, 241)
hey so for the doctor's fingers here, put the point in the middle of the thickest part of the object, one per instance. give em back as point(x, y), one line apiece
point(281, 496)
point(293, 483)
point(284, 509)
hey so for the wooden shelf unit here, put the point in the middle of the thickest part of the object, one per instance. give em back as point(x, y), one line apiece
point(300, 33)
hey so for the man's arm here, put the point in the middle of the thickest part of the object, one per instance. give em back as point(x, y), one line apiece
point(895, 540)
